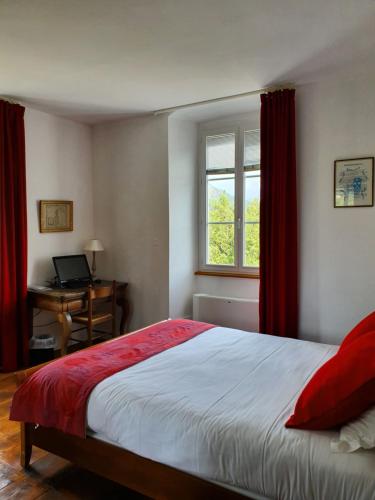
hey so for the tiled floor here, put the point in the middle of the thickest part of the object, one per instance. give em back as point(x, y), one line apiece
point(49, 477)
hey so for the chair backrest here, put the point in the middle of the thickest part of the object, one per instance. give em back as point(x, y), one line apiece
point(101, 293)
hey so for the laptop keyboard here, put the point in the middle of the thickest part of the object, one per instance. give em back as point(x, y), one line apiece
point(78, 284)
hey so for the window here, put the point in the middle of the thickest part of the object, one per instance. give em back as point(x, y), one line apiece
point(230, 196)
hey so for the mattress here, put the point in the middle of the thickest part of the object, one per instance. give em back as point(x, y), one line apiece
point(215, 407)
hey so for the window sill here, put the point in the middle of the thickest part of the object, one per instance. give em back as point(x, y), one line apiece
point(223, 274)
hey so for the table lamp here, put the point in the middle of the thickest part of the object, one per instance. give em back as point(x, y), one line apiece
point(93, 246)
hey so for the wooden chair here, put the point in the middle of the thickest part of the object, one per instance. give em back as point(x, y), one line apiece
point(90, 318)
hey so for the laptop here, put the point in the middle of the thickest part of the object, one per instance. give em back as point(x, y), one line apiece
point(72, 271)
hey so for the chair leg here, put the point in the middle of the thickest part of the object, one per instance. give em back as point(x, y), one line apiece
point(89, 334)
point(114, 304)
point(114, 333)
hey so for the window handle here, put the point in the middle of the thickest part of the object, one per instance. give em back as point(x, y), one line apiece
point(239, 225)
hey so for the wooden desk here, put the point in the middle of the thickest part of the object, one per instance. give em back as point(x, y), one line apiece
point(66, 301)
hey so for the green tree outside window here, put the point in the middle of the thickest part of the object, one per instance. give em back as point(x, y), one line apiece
point(221, 236)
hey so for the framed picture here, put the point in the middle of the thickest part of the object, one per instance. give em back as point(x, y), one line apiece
point(354, 183)
point(55, 216)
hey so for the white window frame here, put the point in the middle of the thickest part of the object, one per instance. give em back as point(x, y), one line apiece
point(237, 268)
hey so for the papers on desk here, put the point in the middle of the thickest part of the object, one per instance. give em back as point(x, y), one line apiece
point(38, 288)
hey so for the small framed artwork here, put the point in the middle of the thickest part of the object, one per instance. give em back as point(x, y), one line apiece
point(354, 183)
point(55, 216)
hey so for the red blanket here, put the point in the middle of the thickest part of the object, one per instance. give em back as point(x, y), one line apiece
point(57, 394)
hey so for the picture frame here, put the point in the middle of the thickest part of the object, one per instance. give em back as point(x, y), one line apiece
point(55, 216)
point(354, 183)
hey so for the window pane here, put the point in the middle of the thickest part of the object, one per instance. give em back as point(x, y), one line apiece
point(220, 244)
point(220, 152)
point(251, 252)
point(220, 198)
point(252, 147)
point(251, 218)
point(252, 196)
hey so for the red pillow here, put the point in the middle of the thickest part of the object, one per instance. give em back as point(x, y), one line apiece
point(340, 390)
point(364, 326)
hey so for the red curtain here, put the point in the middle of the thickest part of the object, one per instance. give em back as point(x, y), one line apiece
point(278, 294)
point(13, 239)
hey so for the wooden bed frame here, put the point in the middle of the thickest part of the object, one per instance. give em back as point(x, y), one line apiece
point(145, 476)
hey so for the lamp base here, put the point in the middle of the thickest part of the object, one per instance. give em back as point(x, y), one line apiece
point(93, 266)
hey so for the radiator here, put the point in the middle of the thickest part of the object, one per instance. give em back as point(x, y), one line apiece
point(225, 311)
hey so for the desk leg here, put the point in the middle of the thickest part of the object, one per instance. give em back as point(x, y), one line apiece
point(30, 314)
point(125, 313)
point(66, 320)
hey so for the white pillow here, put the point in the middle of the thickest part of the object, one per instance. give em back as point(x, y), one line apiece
point(359, 433)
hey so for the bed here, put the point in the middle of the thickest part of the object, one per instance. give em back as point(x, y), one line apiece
point(205, 419)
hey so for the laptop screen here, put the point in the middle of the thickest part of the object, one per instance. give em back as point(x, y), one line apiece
point(72, 268)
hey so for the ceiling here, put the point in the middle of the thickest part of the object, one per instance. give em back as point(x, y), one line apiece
point(94, 60)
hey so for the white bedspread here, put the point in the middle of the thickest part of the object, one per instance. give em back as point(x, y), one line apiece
point(216, 405)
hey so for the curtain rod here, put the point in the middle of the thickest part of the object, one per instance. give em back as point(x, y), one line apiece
point(225, 98)
point(8, 99)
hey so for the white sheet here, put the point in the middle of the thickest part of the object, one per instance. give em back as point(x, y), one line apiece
point(216, 405)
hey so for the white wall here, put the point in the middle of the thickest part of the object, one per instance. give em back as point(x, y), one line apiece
point(58, 167)
point(131, 211)
point(242, 288)
point(183, 214)
point(335, 119)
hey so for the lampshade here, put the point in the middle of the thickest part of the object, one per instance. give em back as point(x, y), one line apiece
point(94, 246)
